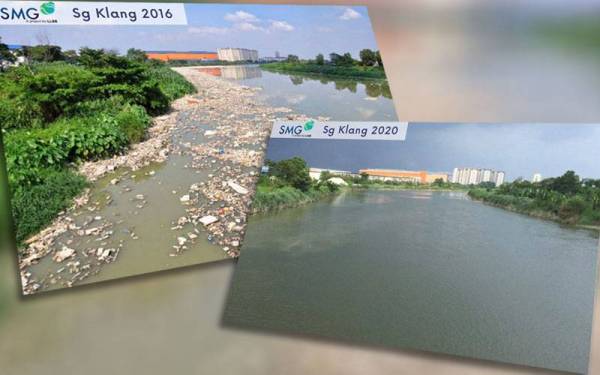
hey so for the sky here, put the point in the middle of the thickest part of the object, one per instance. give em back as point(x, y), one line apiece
point(301, 30)
point(520, 150)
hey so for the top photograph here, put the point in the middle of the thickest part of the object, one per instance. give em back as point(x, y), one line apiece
point(136, 148)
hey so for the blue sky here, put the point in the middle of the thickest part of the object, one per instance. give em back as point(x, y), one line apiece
point(518, 149)
point(289, 29)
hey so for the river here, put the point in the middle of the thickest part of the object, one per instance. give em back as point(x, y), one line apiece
point(425, 270)
point(342, 99)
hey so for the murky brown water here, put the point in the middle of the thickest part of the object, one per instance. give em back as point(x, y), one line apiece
point(141, 209)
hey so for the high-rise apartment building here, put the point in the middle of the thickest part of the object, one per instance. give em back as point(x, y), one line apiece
point(475, 176)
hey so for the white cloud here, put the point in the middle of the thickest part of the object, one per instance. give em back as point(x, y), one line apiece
point(281, 25)
point(350, 14)
point(208, 30)
point(247, 26)
point(241, 17)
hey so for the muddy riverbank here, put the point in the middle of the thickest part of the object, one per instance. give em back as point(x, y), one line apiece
point(178, 198)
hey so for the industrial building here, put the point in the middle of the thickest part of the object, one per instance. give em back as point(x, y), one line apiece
point(182, 56)
point(416, 177)
point(475, 176)
point(315, 173)
point(237, 54)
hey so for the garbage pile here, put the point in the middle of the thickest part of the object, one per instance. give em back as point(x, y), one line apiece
point(232, 152)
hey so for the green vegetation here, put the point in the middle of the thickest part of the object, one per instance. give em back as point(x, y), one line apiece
point(63, 108)
point(576, 33)
point(288, 184)
point(36, 206)
point(370, 65)
point(566, 199)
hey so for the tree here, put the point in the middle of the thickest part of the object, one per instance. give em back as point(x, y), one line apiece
point(43, 53)
point(487, 185)
point(93, 57)
point(438, 182)
point(70, 56)
point(136, 55)
point(341, 60)
point(334, 58)
point(293, 59)
point(568, 184)
point(325, 175)
point(320, 60)
point(368, 57)
point(347, 59)
point(378, 58)
point(5, 53)
point(293, 171)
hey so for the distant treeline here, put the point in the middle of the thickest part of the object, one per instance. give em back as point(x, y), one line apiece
point(369, 65)
point(288, 184)
point(567, 199)
point(61, 108)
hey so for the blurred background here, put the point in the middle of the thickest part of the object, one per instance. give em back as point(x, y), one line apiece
point(462, 60)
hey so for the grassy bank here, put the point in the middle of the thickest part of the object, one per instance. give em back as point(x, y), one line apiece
point(353, 71)
point(58, 113)
point(572, 203)
point(269, 198)
point(288, 184)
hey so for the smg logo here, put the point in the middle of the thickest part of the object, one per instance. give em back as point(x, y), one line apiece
point(27, 14)
point(297, 130)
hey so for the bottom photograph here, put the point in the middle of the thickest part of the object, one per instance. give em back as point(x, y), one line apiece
point(475, 240)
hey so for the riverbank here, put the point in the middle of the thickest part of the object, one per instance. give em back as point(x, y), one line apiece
point(326, 70)
point(527, 206)
point(58, 114)
point(268, 198)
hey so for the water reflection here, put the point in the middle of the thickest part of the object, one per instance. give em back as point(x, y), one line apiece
point(233, 72)
point(374, 88)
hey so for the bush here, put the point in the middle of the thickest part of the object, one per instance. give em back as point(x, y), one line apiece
point(34, 207)
point(71, 140)
point(33, 96)
point(133, 122)
point(572, 208)
point(49, 89)
point(171, 83)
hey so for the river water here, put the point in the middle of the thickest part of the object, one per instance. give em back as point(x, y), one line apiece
point(341, 99)
point(433, 271)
